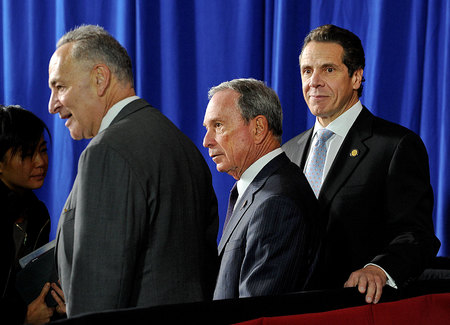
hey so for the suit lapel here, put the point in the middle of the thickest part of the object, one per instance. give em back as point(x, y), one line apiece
point(351, 153)
point(249, 196)
point(238, 213)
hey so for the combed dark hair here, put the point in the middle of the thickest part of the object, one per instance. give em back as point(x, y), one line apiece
point(255, 99)
point(20, 130)
point(353, 56)
point(95, 45)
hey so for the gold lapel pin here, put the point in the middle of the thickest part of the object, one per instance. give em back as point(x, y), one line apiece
point(244, 204)
point(354, 153)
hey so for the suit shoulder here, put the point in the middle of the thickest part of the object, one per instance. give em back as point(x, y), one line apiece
point(294, 147)
point(289, 181)
point(393, 131)
point(293, 141)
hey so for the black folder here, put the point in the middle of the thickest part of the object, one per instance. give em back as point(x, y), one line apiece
point(38, 268)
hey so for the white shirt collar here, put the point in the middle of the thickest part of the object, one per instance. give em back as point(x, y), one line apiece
point(251, 172)
point(343, 123)
point(114, 111)
point(340, 126)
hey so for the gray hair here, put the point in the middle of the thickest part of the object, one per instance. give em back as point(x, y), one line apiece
point(93, 44)
point(255, 99)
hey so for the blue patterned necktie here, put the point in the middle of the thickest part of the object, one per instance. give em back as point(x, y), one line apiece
point(314, 170)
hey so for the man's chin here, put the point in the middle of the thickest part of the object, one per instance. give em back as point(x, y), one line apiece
point(221, 169)
point(233, 172)
point(76, 135)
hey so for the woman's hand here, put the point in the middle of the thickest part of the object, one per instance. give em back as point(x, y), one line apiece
point(58, 295)
point(38, 312)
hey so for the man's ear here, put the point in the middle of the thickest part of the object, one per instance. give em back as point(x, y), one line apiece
point(260, 129)
point(357, 78)
point(102, 78)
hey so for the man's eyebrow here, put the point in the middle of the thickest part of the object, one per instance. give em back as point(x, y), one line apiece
point(323, 65)
point(328, 64)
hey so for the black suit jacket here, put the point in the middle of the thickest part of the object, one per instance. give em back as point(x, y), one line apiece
point(376, 202)
point(269, 243)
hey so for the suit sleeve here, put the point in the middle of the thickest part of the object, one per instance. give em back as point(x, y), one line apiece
point(411, 243)
point(109, 217)
point(275, 254)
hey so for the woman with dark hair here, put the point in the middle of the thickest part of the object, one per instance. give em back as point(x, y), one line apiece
point(25, 221)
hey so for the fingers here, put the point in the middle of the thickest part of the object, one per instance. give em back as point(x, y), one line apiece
point(371, 291)
point(379, 290)
point(374, 291)
point(351, 282)
point(57, 298)
point(58, 290)
point(369, 280)
point(357, 279)
point(38, 312)
point(44, 291)
point(58, 295)
point(61, 308)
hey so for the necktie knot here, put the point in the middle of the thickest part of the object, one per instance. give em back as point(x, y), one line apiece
point(323, 135)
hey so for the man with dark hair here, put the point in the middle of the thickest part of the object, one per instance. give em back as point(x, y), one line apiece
point(371, 176)
point(140, 225)
point(270, 234)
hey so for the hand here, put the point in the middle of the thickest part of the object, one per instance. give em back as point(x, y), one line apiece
point(58, 295)
point(370, 279)
point(38, 312)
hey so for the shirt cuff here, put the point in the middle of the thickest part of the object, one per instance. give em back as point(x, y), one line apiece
point(390, 281)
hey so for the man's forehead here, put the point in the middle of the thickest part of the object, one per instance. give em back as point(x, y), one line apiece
point(213, 113)
point(61, 57)
point(56, 63)
point(322, 51)
point(223, 102)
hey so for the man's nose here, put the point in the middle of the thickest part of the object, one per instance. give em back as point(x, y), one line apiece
point(316, 79)
point(208, 140)
point(53, 104)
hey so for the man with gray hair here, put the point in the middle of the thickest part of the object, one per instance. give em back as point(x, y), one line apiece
point(135, 230)
point(269, 236)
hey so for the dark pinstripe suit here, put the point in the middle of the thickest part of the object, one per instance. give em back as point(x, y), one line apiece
point(268, 245)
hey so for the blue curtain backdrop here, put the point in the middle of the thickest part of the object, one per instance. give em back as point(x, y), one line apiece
point(180, 48)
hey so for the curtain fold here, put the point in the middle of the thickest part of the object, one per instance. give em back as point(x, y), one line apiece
point(180, 49)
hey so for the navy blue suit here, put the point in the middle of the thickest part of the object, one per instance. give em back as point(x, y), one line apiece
point(268, 245)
